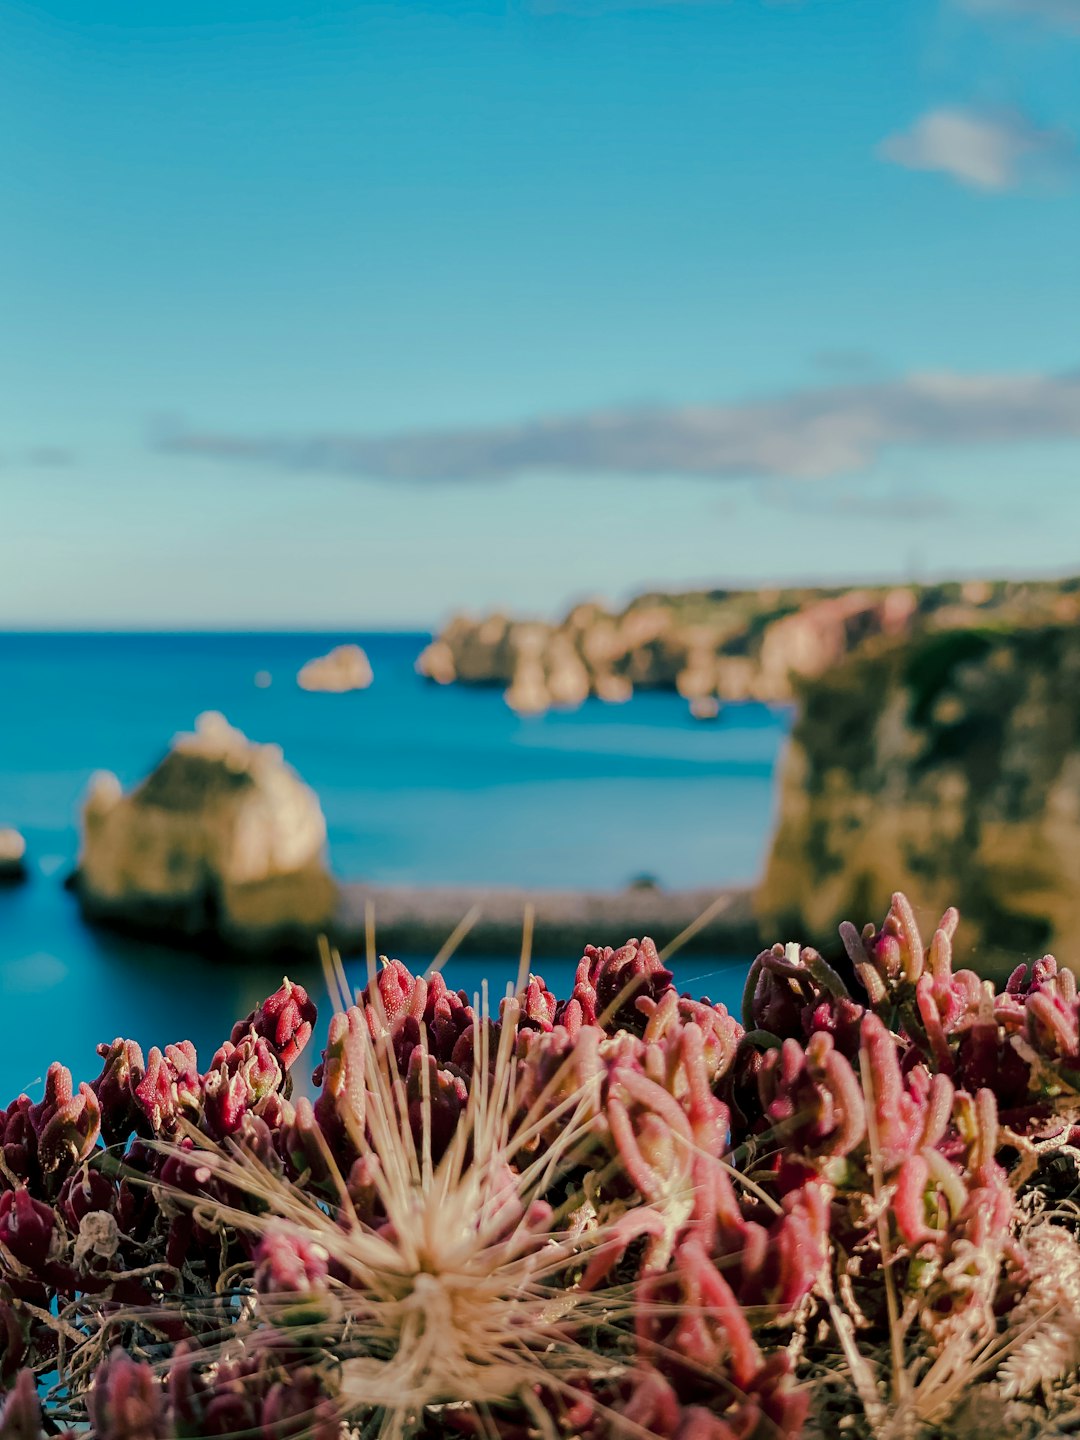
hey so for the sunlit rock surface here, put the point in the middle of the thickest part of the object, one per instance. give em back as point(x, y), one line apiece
point(949, 767)
point(12, 856)
point(222, 840)
point(345, 668)
point(723, 645)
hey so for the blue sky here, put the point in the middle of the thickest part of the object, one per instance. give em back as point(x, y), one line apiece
point(329, 314)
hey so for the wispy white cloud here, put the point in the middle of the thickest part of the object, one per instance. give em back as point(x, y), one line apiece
point(843, 500)
point(802, 434)
point(1060, 14)
point(985, 150)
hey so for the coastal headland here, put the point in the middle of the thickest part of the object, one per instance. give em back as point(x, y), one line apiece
point(938, 746)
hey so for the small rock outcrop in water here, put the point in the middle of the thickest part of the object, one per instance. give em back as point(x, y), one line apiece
point(345, 668)
point(12, 856)
point(222, 840)
point(720, 645)
point(947, 766)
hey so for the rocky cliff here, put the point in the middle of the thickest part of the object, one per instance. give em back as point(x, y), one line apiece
point(222, 841)
point(949, 767)
point(720, 644)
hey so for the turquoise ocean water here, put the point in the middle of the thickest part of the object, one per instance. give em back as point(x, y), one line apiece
point(419, 785)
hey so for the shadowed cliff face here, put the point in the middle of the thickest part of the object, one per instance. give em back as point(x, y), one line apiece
point(947, 766)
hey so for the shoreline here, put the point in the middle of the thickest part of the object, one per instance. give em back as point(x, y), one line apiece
point(422, 918)
point(416, 919)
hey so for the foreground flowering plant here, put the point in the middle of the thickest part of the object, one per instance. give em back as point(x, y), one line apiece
point(624, 1213)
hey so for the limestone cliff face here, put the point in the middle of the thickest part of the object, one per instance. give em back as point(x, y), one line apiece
point(723, 645)
point(949, 767)
point(223, 840)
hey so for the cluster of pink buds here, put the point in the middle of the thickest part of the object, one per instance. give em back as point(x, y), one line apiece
point(610, 983)
point(284, 1020)
point(878, 1100)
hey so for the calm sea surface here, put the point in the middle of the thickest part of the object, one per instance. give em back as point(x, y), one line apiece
point(419, 784)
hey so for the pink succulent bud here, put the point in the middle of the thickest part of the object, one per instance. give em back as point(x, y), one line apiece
point(610, 982)
point(341, 1105)
point(185, 1169)
point(690, 1317)
point(910, 1200)
point(401, 996)
point(721, 1032)
point(186, 1389)
point(303, 1147)
point(841, 1017)
point(125, 1402)
point(232, 1403)
point(890, 962)
point(20, 1413)
point(435, 1099)
point(67, 1124)
point(121, 1073)
point(85, 1191)
point(275, 1111)
point(899, 1117)
point(29, 1232)
point(651, 1134)
point(170, 1088)
point(18, 1142)
point(778, 989)
point(798, 1249)
point(286, 1261)
point(538, 1005)
point(285, 1020)
point(447, 1017)
point(290, 1276)
point(1052, 1023)
point(239, 1077)
point(298, 1409)
point(1028, 978)
point(812, 1098)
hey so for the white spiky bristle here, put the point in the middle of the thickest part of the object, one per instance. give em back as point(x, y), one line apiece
point(462, 1297)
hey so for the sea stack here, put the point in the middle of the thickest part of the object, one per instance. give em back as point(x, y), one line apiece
point(222, 842)
point(345, 668)
point(12, 856)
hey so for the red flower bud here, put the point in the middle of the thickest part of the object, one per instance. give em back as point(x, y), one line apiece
point(170, 1087)
point(28, 1231)
point(125, 1401)
point(610, 982)
point(20, 1413)
point(115, 1087)
point(284, 1020)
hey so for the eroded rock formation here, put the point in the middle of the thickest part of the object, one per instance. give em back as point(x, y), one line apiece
point(12, 856)
point(720, 645)
point(947, 766)
point(222, 840)
point(345, 668)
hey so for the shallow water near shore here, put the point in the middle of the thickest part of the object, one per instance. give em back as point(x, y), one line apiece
point(420, 785)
